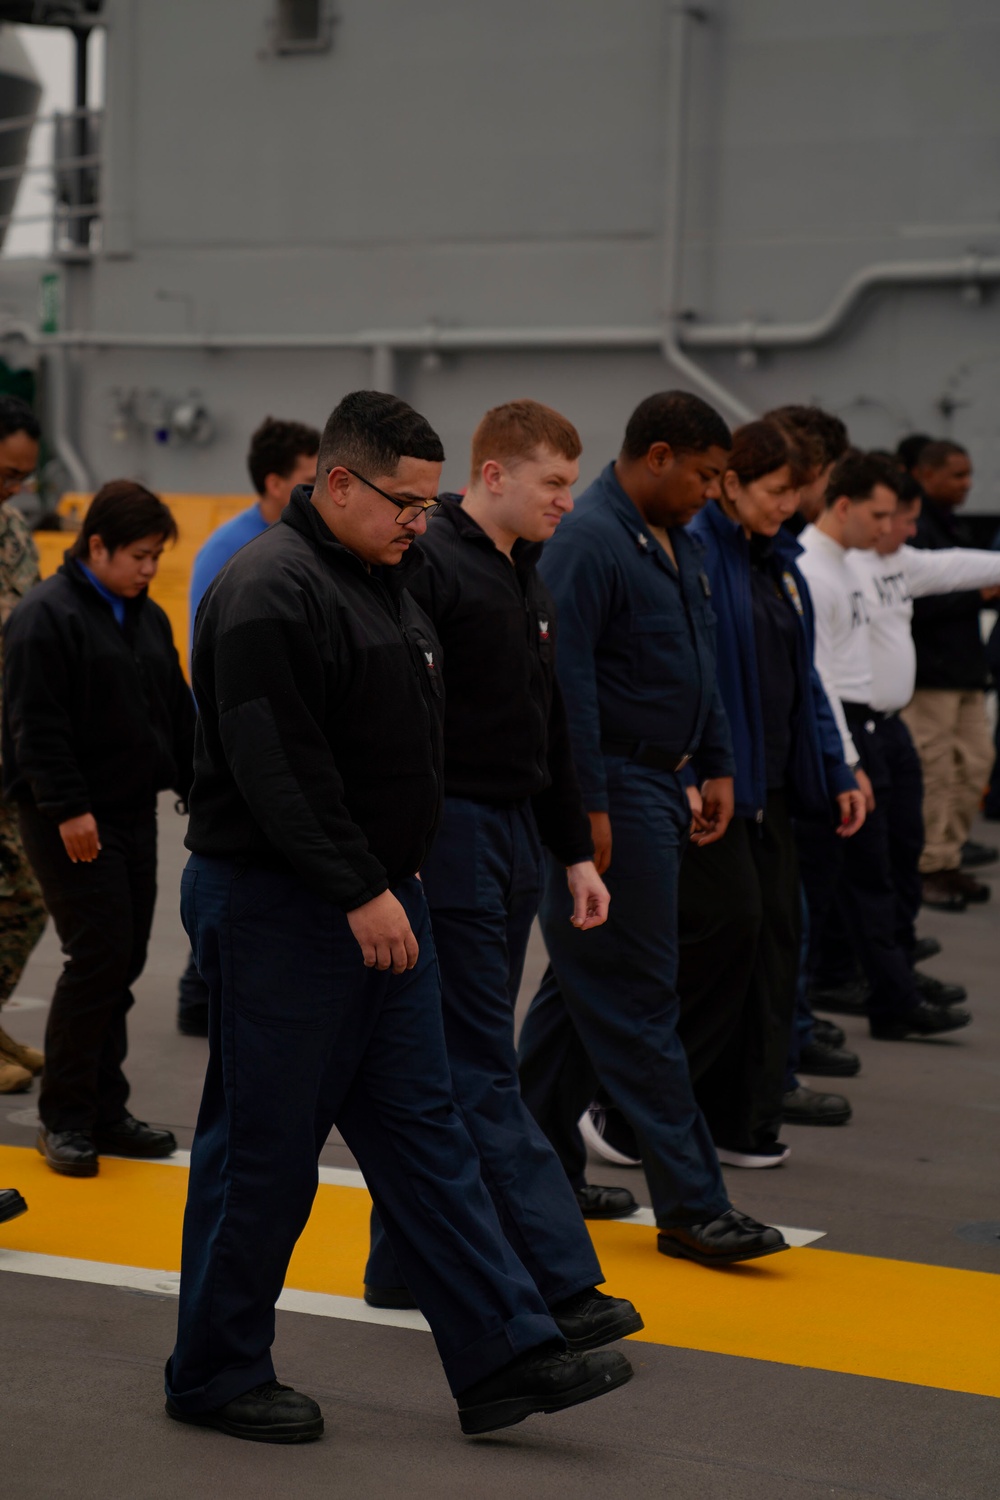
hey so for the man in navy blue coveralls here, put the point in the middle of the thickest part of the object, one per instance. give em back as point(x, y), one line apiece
point(317, 791)
point(510, 787)
point(636, 663)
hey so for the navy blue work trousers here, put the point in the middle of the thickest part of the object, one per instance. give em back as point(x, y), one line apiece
point(483, 883)
point(862, 874)
point(609, 1010)
point(304, 1037)
point(901, 795)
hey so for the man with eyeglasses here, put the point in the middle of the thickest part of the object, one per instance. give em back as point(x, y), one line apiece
point(318, 781)
point(22, 910)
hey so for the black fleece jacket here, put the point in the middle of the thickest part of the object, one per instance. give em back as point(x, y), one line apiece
point(505, 733)
point(96, 718)
point(318, 746)
point(946, 633)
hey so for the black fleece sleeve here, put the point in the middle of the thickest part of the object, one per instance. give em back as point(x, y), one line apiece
point(37, 690)
point(271, 693)
point(563, 825)
point(182, 719)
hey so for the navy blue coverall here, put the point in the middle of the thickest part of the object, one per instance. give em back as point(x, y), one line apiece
point(636, 663)
point(509, 778)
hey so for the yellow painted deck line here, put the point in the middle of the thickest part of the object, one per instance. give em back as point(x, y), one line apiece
point(894, 1320)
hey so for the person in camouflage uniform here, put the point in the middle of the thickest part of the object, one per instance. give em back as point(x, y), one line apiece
point(22, 910)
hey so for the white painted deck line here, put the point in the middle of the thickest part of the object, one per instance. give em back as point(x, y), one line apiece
point(167, 1283)
point(350, 1177)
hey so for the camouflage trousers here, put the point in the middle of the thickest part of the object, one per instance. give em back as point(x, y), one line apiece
point(22, 910)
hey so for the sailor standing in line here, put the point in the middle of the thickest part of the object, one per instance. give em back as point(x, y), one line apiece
point(636, 664)
point(317, 792)
point(893, 575)
point(510, 786)
point(860, 505)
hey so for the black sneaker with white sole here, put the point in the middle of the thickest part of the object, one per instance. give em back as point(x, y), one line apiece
point(608, 1134)
point(773, 1154)
point(540, 1381)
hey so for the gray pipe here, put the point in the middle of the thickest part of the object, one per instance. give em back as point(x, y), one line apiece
point(61, 440)
point(972, 269)
point(673, 218)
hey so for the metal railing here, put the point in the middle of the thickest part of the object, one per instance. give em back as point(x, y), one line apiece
point(73, 167)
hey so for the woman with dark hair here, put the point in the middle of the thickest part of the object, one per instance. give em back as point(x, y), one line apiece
point(97, 719)
point(789, 761)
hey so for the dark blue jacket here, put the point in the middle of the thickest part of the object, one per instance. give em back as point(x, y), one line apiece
point(817, 772)
point(635, 655)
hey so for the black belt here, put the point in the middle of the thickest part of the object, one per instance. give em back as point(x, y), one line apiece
point(654, 757)
point(864, 714)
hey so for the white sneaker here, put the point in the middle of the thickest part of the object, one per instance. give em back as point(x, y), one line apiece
point(608, 1134)
point(756, 1156)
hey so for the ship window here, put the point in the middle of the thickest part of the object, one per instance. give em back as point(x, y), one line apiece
point(302, 26)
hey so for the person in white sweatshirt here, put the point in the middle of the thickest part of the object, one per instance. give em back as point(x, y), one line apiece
point(892, 576)
point(860, 505)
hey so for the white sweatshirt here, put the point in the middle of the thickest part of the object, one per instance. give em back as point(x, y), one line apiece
point(843, 653)
point(891, 584)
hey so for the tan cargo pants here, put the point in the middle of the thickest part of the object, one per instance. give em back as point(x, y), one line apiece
point(955, 746)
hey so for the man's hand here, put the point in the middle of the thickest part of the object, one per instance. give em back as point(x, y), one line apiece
point(866, 789)
point(697, 821)
point(590, 895)
point(384, 936)
point(79, 836)
point(716, 810)
point(852, 812)
point(600, 832)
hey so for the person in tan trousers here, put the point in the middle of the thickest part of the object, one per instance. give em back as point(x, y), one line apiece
point(947, 716)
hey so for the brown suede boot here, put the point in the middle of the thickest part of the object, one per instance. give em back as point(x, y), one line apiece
point(13, 1078)
point(20, 1053)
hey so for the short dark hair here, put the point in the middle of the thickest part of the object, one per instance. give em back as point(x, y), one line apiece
point(16, 416)
point(763, 447)
point(370, 431)
point(909, 449)
point(821, 436)
point(935, 455)
point(276, 447)
point(122, 512)
point(855, 476)
point(679, 418)
point(908, 490)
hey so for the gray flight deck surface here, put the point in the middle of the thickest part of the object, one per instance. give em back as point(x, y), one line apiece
point(80, 1377)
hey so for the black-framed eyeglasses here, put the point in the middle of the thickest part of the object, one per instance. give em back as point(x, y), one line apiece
point(409, 510)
